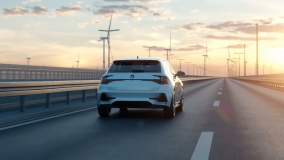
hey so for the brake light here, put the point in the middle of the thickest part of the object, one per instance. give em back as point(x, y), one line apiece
point(163, 79)
point(105, 80)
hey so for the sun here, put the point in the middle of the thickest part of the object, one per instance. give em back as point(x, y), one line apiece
point(276, 55)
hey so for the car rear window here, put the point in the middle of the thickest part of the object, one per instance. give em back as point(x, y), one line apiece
point(135, 66)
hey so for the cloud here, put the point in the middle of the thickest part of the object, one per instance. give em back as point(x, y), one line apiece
point(265, 25)
point(188, 48)
point(26, 25)
point(78, 3)
point(133, 11)
point(194, 11)
point(156, 14)
point(236, 46)
point(267, 21)
point(158, 27)
point(96, 22)
point(39, 10)
point(81, 25)
point(17, 11)
point(191, 48)
point(170, 18)
point(142, 1)
point(30, 1)
point(37, 25)
point(238, 38)
point(64, 9)
point(188, 26)
point(227, 24)
point(266, 28)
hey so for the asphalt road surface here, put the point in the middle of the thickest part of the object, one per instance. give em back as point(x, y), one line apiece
point(223, 119)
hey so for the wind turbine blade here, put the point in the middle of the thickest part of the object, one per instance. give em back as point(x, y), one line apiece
point(206, 48)
point(229, 52)
point(171, 39)
point(226, 63)
point(109, 24)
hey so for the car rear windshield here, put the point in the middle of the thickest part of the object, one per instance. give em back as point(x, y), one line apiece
point(135, 66)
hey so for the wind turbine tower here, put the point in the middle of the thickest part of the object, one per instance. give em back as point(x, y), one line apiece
point(78, 61)
point(103, 39)
point(28, 60)
point(108, 38)
point(180, 63)
point(170, 48)
point(205, 58)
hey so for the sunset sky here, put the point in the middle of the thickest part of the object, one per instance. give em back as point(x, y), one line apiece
point(53, 31)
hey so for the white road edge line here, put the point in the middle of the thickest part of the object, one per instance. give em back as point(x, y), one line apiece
point(43, 119)
point(219, 93)
point(202, 149)
point(216, 104)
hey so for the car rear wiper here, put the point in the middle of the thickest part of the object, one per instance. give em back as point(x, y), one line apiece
point(138, 71)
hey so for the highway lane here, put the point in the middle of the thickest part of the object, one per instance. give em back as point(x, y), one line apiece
point(243, 121)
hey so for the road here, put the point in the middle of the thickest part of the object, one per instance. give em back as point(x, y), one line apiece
point(247, 124)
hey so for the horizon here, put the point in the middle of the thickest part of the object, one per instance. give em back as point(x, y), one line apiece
point(54, 33)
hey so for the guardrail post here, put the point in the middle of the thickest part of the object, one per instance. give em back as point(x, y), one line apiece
point(84, 95)
point(22, 102)
point(68, 97)
point(48, 102)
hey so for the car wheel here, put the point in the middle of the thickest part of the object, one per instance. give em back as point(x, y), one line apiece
point(123, 109)
point(180, 107)
point(170, 112)
point(104, 111)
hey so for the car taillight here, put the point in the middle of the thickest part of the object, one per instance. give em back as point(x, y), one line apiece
point(105, 80)
point(163, 79)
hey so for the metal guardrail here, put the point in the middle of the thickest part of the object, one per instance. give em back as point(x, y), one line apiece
point(23, 89)
point(277, 83)
point(11, 72)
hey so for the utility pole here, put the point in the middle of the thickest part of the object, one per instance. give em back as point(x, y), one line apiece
point(149, 48)
point(245, 67)
point(180, 63)
point(193, 68)
point(257, 49)
point(188, 67)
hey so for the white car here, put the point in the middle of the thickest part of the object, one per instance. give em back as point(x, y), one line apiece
point(140, 83)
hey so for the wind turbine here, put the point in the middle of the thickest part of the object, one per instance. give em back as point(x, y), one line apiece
point(78, 61)
point(205, 58)
point(28, 60)
point(108, 38)
point(170, 48)
point(228, 62)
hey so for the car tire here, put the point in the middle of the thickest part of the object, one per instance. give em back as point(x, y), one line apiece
point(180, 107)
point(170, 112)
point(104, 111)
point(123, 109)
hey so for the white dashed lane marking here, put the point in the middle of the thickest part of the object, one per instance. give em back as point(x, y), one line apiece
point(216, 104)
point(202, 149)
point(219, 93)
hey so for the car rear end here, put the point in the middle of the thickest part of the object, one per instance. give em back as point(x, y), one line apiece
point(135, 84)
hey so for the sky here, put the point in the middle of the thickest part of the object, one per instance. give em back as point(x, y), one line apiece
point(53, 32)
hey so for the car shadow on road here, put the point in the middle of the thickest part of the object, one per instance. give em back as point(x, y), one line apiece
point(139, 114)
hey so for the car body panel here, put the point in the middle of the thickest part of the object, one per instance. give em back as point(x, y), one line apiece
point(140, 87)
